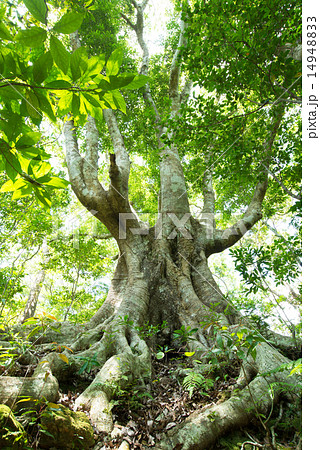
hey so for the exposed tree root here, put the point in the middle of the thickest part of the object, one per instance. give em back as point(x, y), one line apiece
point(203, 428)
point(115, 342)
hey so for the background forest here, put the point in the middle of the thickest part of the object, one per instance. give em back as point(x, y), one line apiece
point(237, 95)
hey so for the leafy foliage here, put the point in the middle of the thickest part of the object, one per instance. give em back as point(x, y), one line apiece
point(49, 81)
point(196, 382)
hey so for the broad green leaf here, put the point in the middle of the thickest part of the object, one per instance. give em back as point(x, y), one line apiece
point(119, 101)
point(42, 67)
point(69, 23)
point(13, 167)
point(58, 84)
point(32, 37)
point(65, 102)
point(60, 55)
point(95, 66)
point(75, 105)
point(114, 62)
point(38, 9)
point(10, 92)
point(28, 139)
point(219, 341)
point(43, 197)
point(108, 98)
point(78, 63)
point(10, 67)
point(113, 82)
point(41, 169)
point(92, 105)
point(33, 106)
point(12, 128)
point(46, 105)
point(90, 98)
point(23, 192)
point(7, 186)
point(4, 33)
point(34, 152)
point(34, 331)
point(138, 82)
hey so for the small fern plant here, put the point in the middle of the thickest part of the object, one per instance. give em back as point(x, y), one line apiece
point(195, 381)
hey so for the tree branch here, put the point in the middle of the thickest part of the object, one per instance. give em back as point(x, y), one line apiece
point(227, 238)
point(138, 27)
point(209, 197)
point(119, 162)
point(175, 72)
point(297, 197)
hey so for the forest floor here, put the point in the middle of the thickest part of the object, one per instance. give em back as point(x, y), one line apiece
point(142, 415)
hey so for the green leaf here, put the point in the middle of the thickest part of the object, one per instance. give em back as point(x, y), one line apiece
point(78, 63)
point(119, 101)
point(43, 197)
point(11, 92)
point(60, 55)
point(115, 82)
point(69, 23)
point(42, 67)
point(28, 139)
point(138, 82)
point(7, 186)
point(65, 102)
point(33, 106)
point(126, 81)
point(75, 104)
point(114, 62)
point(13, 167)
point(23, 192)
point(160, 355)
point(12, 128)
point(34, 331)
point(38, 9)
point(58, 84)
point(92, 105)
point(10, 66)
point(40, 169)
point(95, 66)
point(46, 105)
point(4, 33)
point(32, 37)
point(219, 341)
point(57, 183)
point(189, 353)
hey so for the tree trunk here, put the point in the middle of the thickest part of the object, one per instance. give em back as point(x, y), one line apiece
point(159, 280)
point(31, 305)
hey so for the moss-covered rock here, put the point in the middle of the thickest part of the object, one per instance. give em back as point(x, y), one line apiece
point(12, 434)
point(68, 429)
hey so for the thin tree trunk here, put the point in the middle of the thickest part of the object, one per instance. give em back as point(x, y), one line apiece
point(31, 305)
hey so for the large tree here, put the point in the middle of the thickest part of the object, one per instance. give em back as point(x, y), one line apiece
point(219, 111)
